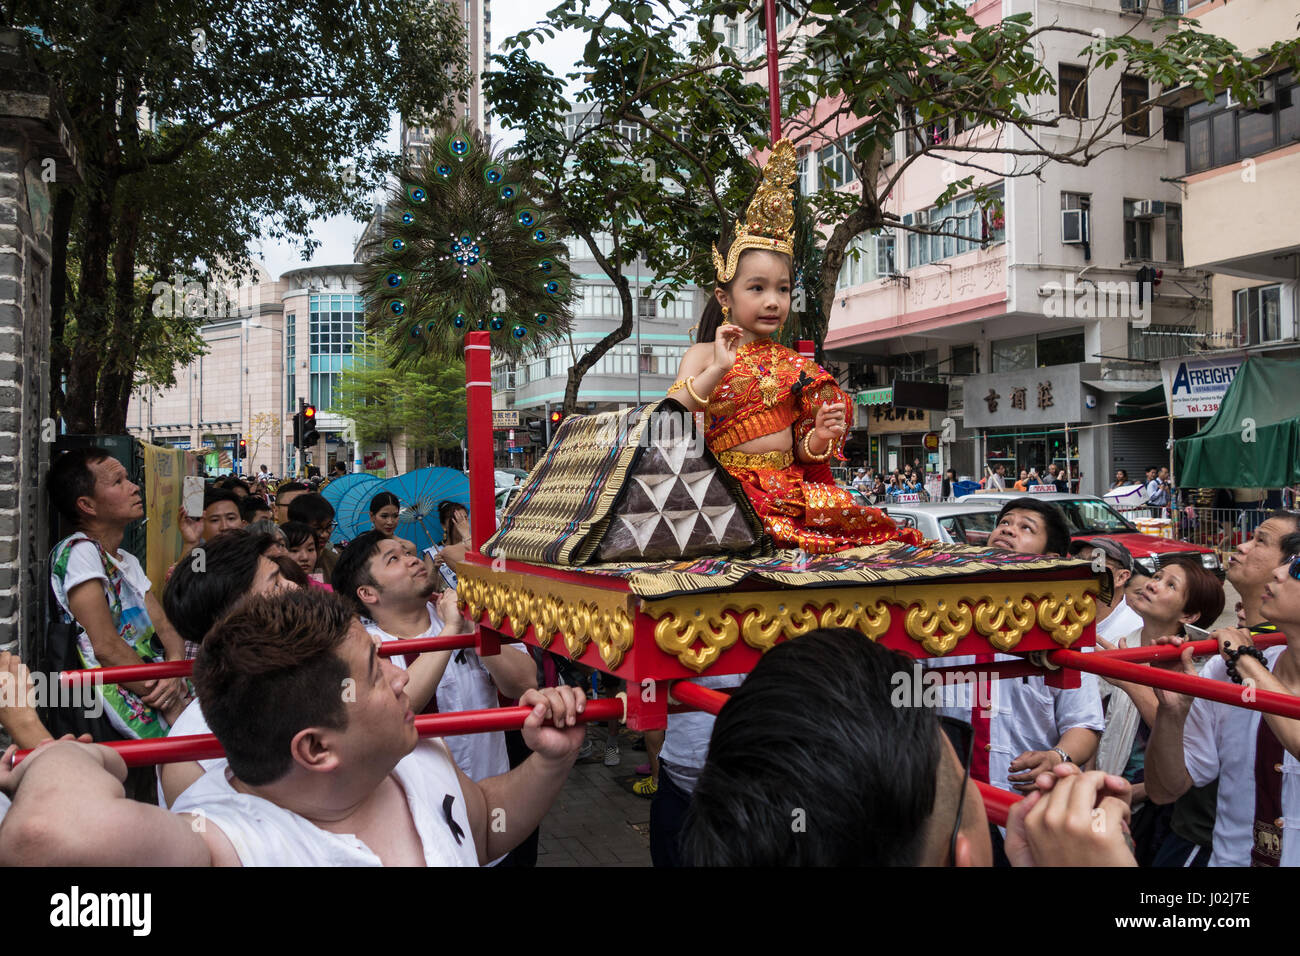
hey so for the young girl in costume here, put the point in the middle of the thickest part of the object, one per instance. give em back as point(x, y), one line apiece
point(772, 417)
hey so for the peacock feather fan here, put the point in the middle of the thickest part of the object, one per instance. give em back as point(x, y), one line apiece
point(462, 249)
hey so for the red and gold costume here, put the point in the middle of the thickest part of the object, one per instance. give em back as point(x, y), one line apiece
point(772, 389)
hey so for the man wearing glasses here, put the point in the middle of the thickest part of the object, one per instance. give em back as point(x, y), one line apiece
point(1257, 820)
point(317, 513)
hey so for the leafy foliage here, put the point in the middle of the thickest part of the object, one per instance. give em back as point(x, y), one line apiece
point(202, 125)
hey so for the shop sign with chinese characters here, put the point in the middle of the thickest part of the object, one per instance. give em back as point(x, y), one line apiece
point(1040, 396)
point(887, 419)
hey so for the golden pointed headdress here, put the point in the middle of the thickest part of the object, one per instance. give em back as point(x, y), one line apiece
point(769, 221)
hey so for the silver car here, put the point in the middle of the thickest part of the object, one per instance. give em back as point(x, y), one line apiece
point(952, 522)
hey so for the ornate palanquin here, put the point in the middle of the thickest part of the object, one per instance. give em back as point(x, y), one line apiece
point(620, 623)
point(544, 581)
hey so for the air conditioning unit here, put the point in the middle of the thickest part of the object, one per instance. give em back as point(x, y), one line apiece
point(1133, 6)
point(1074, 226)
point(647, 350)
point(1148, 208)
point(1263, 96)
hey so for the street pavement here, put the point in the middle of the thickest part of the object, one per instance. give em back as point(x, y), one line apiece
point(594, 821)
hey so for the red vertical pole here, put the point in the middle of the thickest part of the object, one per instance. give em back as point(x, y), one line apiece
point(773, 70)
point(478, 408)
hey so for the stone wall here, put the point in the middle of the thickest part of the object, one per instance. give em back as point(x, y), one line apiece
point(37, 155)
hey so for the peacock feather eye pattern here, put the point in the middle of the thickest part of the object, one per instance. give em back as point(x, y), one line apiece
point(466, 248)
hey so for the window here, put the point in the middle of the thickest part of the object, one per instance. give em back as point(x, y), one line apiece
point(833, 162)
point(964, 360)
point(785, 17)
point(1258, 314)
point(646, 307)
point(1224, 131)
point(1173, 232)
point(1013, 355)
point(290, 357)
point(754, 35)
point(1072, 87)
point(1038, 351)
point(807, 174)
point(972, 225)
point(1133, 94)
point(867, 257)
point(1137, 234)
point(1173, 125)
point(1065, 348)
point(733, 34)
point(337, 324)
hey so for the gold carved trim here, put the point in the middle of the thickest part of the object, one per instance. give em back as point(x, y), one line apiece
point(579, 614)
point(690, 620)
point(944, 614)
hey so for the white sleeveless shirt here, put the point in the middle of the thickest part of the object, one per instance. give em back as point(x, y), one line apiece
point(265, 834)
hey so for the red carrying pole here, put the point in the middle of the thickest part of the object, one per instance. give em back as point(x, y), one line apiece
point(141, 753)
point(478, 408)
point(773, 70)
point(704, 698)
point(997, 802)
point(1270, 702)
point(134, 672)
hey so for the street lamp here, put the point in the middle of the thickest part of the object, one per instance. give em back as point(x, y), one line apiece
point(284, 383)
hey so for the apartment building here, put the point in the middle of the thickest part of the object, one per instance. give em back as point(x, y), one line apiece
point(1033, 318)
point(270, 342)
point(1243, 167)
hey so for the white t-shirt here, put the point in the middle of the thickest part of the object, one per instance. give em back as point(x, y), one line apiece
point(1120, 622)
point(997, 482)
point(191, 722)
point(465, 685)
point(1219, 741)
point(265, 834)
point(1024, 713)
point(686, 741)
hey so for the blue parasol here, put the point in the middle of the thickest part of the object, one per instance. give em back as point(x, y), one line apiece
point(420, 493)
point(352, 513)
point(334, 492)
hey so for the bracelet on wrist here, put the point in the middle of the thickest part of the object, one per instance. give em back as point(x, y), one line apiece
point(813, 456)
point(1232, 655)
point(1062, 754)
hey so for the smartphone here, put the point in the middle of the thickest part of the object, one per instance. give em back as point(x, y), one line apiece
point(192, 495)
point(1196, 633)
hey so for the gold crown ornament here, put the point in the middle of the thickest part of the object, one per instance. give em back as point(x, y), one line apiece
point(769, 222)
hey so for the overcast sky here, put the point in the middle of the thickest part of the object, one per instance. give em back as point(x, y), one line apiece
point(339, 234)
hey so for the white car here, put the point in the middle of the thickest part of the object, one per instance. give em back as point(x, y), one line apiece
point(505, 498)
point(952, 522)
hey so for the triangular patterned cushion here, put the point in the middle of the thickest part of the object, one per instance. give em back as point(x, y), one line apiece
point(635, 485)
point(676, 504)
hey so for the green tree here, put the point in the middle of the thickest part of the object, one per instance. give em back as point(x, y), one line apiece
point(424, 403)
point(977, 96)
point(659, 159)
point(202, 125)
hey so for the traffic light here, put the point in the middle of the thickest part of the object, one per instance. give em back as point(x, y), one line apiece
point(537, 431)
point(310, 436)
point(243, 448)
point(557, 416)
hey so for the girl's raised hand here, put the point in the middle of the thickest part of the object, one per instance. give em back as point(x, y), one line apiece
point(830, 421)
point(726, 343)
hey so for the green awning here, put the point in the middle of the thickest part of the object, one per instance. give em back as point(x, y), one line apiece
point(1152, 400)
point(875, 396)
point(1253, 440)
